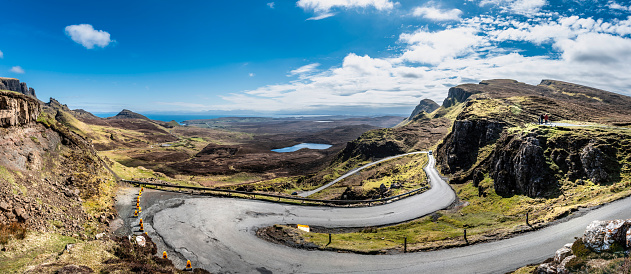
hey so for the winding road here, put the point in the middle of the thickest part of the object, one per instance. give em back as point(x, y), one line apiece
point(218, 234)
point(352, 172)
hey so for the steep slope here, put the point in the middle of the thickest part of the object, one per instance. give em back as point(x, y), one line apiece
point(49, 174)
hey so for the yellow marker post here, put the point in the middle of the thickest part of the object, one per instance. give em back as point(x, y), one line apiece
point(164, 254)
point(188, 265)
point(140, 221)
point(142, 228)
point(135, 213)
point(139, 209)
point(304, 228)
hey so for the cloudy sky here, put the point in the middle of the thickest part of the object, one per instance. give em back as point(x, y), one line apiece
point(306, 56)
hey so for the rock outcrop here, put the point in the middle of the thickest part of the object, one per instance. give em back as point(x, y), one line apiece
point(456, 95)
point(13, 84)
point(519, 166)
point(599, 237)
point(17, 109)
point(459, 150)
point(426, 105)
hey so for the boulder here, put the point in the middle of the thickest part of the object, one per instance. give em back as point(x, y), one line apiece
point(561, 268)
point(547, 268)
point(141, 241)
point(21, 213)
point(601, 235)
point(5, 206)
point(562, 253)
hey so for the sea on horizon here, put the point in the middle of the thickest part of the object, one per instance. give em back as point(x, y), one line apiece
point(169, 117)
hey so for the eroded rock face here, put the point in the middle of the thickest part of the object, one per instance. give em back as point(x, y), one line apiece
point(601, 235)
point(593, 163)
point(455, 95)
point(17, 109)
point(13, 84)
point(460, 149)
point(519, 166)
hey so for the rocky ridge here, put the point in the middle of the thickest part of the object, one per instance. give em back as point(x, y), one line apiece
point(490, 136)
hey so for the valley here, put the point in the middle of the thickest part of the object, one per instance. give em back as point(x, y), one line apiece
point(494, 172)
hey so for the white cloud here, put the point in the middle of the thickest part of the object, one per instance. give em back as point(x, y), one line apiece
point(87, 36)
point(525, 7)
point(592, 52)
point(17, 69)
point(270, 5)
point(322, 8)
point(251, 74)
point(616, 6)
point(1, 54)
point(435, 47)
point(321, 16)
point(596, 48)
point(304, 69)
point(436, 14)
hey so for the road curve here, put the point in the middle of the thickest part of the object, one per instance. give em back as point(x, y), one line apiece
point(309, 193)
point(218, 234)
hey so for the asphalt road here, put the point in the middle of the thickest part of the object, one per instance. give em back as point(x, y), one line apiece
point(309, 193)
point(218, 234)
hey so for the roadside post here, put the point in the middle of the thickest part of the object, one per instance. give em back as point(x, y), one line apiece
point(405, 245)
point(465, 236)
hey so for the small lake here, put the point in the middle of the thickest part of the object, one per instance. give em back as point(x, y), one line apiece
point(303, 145)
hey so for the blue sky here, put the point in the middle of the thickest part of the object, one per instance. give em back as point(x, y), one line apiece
point(304, 56)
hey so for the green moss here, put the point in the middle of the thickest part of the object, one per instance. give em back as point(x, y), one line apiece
point(579, 249)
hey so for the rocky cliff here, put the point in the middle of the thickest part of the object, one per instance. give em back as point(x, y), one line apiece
point(17, 109)
point(491, 136)
point(47, 172)
point(13, 84)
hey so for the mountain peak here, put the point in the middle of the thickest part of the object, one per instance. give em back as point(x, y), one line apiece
point(128, 114)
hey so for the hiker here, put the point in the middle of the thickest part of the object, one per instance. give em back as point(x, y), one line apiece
point(545, 117)
point(541, 119)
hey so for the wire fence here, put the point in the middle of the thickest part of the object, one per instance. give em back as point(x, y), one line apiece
point(274, 197)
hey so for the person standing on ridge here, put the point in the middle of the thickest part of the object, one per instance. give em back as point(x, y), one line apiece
point(545, 117)
point(541, 119)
